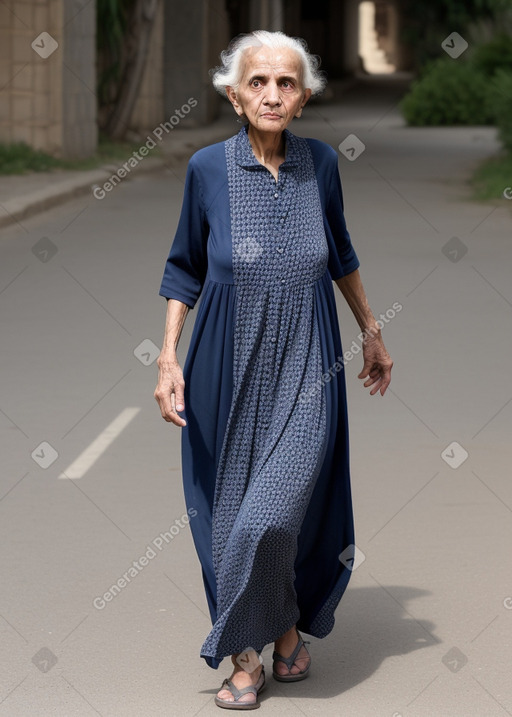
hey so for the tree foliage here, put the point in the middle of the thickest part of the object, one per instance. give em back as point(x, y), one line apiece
point(111, 25)
point(425, 23)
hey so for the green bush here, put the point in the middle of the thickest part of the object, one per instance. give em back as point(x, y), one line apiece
point(494, 55)
point(19, 157)
point(500, 101)
point(492, 176)
point(448, 92)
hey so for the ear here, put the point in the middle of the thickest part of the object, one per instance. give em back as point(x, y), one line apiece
point(305, 98)
point(231, 94)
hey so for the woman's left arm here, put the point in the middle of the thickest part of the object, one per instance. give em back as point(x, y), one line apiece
point(377, 362)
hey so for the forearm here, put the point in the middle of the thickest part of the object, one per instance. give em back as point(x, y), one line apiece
point(352, 289)
point(175, 319)
point(169, 391)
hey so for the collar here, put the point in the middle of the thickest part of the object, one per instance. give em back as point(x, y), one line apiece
point(245, 156)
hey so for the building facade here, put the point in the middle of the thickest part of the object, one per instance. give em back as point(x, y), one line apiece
point(48, 83)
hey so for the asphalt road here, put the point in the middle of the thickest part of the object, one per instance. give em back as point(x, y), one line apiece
point(91, 485)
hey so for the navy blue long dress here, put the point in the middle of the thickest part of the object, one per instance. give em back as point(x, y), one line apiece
point(265, 453)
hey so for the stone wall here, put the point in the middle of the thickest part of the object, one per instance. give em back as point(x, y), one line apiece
point(47, 75)
point(48, 63)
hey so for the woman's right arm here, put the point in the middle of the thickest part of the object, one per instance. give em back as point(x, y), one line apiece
point(169, 391)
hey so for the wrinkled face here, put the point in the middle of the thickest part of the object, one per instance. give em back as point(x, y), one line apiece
point(270, 93)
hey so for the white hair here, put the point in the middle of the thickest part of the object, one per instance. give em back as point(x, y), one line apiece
point(230, 72)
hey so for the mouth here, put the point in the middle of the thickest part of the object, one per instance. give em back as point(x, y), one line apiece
point(271, 115)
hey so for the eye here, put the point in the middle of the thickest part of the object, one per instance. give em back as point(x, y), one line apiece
point(255, 83)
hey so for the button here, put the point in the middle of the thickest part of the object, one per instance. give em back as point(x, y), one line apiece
point(280, 249)
point(283, 281)
point(276, 195)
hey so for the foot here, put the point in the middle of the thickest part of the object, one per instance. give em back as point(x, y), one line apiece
point(285, 646)
point(240, 678)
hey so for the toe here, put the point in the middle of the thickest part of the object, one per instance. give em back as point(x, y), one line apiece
point(225, 695)
point(301, 663)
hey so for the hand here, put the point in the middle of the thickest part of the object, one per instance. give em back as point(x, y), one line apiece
point(169, 392)
point(377, 364)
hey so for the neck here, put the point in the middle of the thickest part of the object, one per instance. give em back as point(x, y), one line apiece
point(267, 146)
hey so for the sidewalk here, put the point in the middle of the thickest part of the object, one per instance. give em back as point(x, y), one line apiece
point(22, 196)
point(424, 626)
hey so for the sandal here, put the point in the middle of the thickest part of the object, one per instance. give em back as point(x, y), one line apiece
point(237, 694)
point(289, 662)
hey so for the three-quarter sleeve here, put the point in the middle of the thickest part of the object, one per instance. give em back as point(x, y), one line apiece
point(187, 263)
point(342, 257)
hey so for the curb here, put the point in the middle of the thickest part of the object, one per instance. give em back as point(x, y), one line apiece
point(18, 208)
point(178, 150)
point(175, 150)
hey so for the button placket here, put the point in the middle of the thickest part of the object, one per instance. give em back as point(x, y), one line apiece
point(280, 217)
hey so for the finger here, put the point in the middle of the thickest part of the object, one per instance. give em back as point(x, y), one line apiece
point(178, 420)
point(376, 385)
point(365, 371)
point(166, 406)
point(179, 394)
point(382, 382)
point(174, 418)
point(166, 402)
point(377, 377)
point(376, 388)
point(385, 382)
point(374, 376)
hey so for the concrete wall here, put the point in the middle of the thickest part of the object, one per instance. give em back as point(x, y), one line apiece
point(48, 62)
point(331, 31)
point(389, 30)
point(149, 107)
point(47, 66)
point(266, 15)
point(195, 34)
point(79, 104)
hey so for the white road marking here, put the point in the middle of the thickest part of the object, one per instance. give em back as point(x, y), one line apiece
point(90, 455)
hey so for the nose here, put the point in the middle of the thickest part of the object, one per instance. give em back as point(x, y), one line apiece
point(272, 96)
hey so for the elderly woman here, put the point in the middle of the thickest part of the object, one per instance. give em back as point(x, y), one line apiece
point(261, 399)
